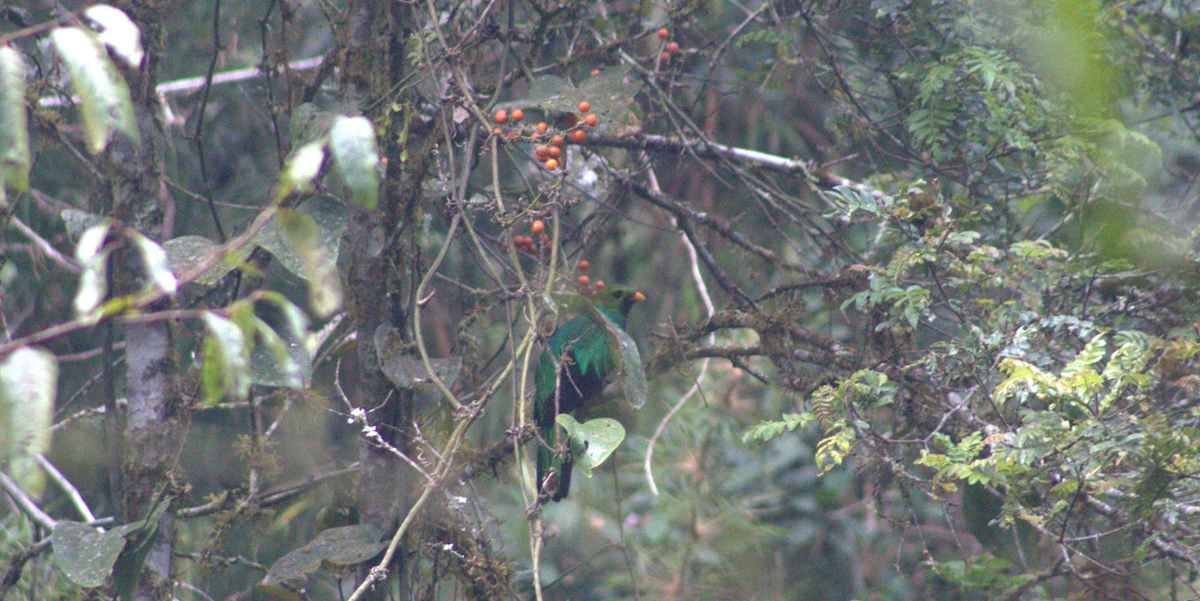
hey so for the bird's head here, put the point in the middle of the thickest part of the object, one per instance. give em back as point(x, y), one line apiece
point(618, 299)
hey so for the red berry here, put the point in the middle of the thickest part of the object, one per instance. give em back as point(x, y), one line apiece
point(557, 141)
point(542, 127)
point(552, 164)
point(583, 280)
point(554, 152)
point(599, 284)
point(538, 227)
point(519, 114)
point(672, 49)
point(501, 116)
point(663, 34)
point(584, 265)
point(541, 152)
point(585, 106)
point(664, 58)
point(591, 119)
point(578, 136)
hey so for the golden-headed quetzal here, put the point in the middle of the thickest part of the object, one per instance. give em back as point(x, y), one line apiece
point(579, 359)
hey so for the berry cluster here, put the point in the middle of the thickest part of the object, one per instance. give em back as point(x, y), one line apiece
point(586, 286)
point(550, 154)
point(530, 244)
point(668, 50)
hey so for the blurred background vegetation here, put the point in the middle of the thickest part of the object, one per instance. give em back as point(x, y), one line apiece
point(921, 316)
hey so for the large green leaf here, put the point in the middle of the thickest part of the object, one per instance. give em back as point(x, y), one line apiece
point(226, 369)
point(14, 133)
point(28, 386)
point(342, 546)
point(592, 441)
point(85, 554)
point(352, 140)
point(104, 96)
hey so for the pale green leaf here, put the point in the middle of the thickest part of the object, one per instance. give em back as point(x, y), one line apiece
point(104, 96)
point(592, 441)
point(154, 259)
point(117, 32)
point(28, 387)
point(226, 368)
point(93, 282)
point(14, 129)
point(352, 140)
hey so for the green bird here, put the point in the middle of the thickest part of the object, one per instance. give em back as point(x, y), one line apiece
point(579, 359)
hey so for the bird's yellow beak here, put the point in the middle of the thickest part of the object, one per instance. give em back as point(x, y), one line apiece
point(638, 296)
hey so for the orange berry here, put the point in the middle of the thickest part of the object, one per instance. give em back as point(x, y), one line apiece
point(552, 164)
point(664, 58)
point(583, 280)
point(595, 72)
point(538, 227)
point(519, 114)
point(663, 34)
point(578, 136)
point(541, 152)
point(585, 106)
point(557, 141)
point(599, 284)
point(510, 135)
point(672, 49)
point(497, 131)
point(555, 152)
point(501, 116)
point(591, 119)
point(584, 265)
point(542, 127)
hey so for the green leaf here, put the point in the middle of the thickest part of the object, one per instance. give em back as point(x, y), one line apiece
point(154, 259)
point(226, 360)
point(592, 441)
point(342, 546)
point(93, 282)
point(186, 252)
point(28, 387)
point(279, 362)
point(104, 96)
point(15, 159)
point(117, 32)
point(302, 168)
point(85, 554)
point(305, 240)
point(352, 140)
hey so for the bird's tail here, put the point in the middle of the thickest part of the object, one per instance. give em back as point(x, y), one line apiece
point(549, 461)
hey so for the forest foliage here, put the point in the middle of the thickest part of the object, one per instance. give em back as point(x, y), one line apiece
point(921, 316)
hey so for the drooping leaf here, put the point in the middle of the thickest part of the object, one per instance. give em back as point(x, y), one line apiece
point(608, 92)
point(15, 159)
point(85, 554)
point(226, 368)
point(302, 168)
point(592, 441)
point(276, 361)
point(28, 387)
point(186, 252)
point(104, 96)
point(307, 246)
point(154, 259)
point(352, 140)
point(93, 282)
point(342, 546)
point(406, 369)
point(117, 32)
